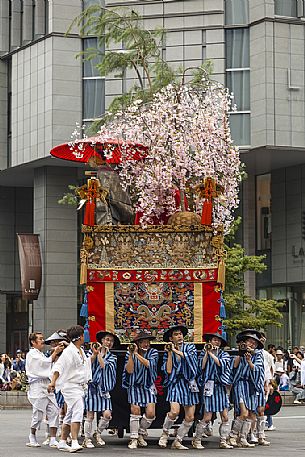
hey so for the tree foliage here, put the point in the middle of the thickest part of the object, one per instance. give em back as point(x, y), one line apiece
point(132, 49)
point(244, 311)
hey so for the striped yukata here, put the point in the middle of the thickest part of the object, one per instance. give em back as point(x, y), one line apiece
point(181, 383)
point(103, 381)
point(247, 382)
point(140, 384)
point(267, 379)
point(59, 399)
point(221, 376)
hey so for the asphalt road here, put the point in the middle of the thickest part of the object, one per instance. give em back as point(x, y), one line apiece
point(287, 440)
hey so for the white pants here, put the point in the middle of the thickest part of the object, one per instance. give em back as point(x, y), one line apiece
point(75, 412)
point(43, 403)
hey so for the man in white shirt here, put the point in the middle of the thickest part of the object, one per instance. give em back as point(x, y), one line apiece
point(38, 370)
point(303, 373)
point(71, 373)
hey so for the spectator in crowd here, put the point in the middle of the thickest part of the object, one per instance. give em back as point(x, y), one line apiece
point(295, 378)
point(303, 373)
point(271, 350)
point(295, 349)
point(273, 387)
point(284, 379)
point(19, 362)
point(279, 365)
point(15, 383)
point(5, 368)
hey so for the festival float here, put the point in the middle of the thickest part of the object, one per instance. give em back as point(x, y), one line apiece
point(156, 209)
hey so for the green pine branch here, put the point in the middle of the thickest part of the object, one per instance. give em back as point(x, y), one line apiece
point(133, 49)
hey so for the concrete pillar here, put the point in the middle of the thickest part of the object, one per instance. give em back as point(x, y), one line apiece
point(23, 223)
point(27, 21)
point(15, 24)
point(39, 18)
point(3, 323)
point(4, 26)
point(61, 14)
point(7, 243)
point(3, 115)
point(259, 9)
point(57, 226)
point(249, 229)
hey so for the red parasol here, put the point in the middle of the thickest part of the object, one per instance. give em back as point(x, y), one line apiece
point(98, 146)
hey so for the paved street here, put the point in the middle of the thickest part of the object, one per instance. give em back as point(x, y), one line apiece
point(287, 439)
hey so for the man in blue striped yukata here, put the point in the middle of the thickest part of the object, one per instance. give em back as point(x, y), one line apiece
point(180, 369)
point(214, 369)
point(98, 398)
point(139, 375)
point(259, 424)
point(248, 382)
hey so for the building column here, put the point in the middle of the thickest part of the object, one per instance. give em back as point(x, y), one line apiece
point(56, 224)
point(7, 239)
point(4, 26)
point(248, 203)
point(3, 115)
point(16, 217)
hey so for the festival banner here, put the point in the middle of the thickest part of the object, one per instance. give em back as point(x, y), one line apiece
point(30, 265)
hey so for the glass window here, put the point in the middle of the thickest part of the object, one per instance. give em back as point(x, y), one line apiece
point(263, 212)
point(239, 83)
point(87, 3)
point(89, 67)
point(240, 128)
point(285, 8)
point(237, 48)
point(93, 84)
point(93, 98)
point(237, 12)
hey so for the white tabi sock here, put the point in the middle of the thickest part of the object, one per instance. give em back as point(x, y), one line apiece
point(88, 428)
point(260, 426)
point(145, 424)
point(103, 424)
point(32, 438)
point(168, 423)
point(134, 424)
point(224, 430)
point(183, 430)
point(199, 429)
point(236, 427)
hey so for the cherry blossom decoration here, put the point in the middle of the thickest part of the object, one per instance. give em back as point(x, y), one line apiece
point(187, 133)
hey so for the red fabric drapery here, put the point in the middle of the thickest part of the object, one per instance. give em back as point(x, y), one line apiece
point(210, 308)
point(96, 309)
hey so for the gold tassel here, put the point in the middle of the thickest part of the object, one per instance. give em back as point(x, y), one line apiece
point(83, 273)
point(221, 278)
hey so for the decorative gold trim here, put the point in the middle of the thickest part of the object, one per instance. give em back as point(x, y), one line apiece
point(198, 329)
point(126, 247)
point(149, 229)
point(109, 306)
point(209, 267)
